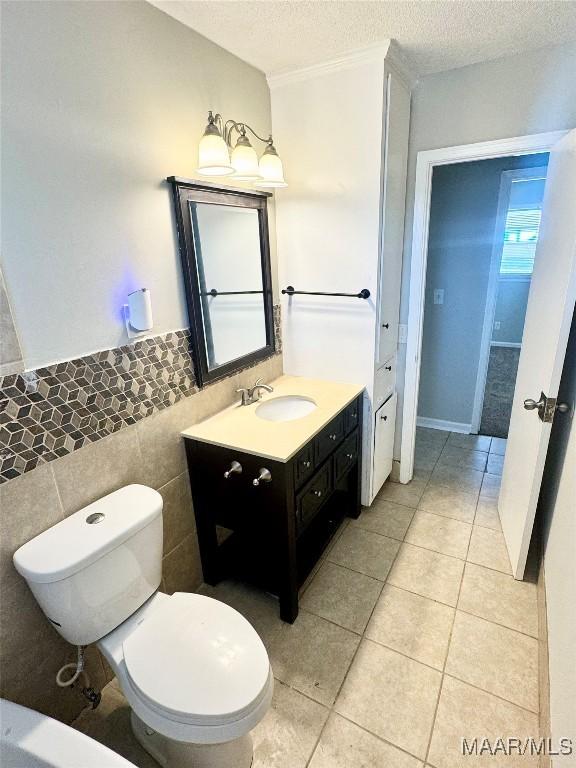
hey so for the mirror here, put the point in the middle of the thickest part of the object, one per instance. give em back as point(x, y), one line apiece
point(223, 239)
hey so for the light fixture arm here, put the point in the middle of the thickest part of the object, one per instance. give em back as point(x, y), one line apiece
point(241, 129)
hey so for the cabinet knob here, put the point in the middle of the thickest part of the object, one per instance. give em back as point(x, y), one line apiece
point(388, 367)
point(385, 325)
point(384, 418)
point(265, 476)
point(318, 494)
point(307, 464)
point(332, 437)
point(235, 469)
point(350, 456)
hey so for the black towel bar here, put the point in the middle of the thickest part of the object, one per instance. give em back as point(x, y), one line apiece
point(291, 291)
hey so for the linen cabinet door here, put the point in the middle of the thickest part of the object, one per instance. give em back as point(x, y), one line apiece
point(385, 418)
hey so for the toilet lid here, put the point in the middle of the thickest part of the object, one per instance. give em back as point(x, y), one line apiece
point(197, 659)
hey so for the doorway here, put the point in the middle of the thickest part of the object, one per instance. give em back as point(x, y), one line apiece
point(472, 250)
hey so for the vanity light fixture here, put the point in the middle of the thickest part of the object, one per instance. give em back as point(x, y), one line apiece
point(218, 157)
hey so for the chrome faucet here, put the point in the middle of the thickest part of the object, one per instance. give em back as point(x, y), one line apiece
point(252, 394)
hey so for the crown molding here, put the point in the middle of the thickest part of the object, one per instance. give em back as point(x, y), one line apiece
point(396, 60)
point(344, 61)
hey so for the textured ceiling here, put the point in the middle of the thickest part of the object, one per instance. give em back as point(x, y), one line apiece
point(435, 35)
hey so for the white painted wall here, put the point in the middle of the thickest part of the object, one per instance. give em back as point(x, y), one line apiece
point(328, 219)
point(525, 94)
point(100, 102)
point(557, 506)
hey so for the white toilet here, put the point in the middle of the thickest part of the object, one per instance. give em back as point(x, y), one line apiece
point(193, 670)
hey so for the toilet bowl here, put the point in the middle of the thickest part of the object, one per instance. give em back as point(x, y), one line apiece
point(194, 671)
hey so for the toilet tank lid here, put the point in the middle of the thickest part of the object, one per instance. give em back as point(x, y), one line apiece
point(87, 535)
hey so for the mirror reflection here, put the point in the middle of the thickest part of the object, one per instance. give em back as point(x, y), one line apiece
point(229, 267)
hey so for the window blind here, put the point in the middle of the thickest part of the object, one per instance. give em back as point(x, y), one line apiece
point(520, 239)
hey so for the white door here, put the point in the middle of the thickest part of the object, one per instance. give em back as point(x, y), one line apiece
point(385, 418)
point(548, 317)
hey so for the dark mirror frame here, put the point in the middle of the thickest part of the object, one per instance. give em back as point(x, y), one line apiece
point(189, 190)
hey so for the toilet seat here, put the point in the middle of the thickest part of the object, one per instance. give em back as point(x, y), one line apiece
point(160, 656)
point(197, 660)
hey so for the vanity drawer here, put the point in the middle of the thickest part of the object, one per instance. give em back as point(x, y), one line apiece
point(345, 456)
point(351, 416)
point(313, 496)
point(328, 439)
point(304, 464)
point(385, 382)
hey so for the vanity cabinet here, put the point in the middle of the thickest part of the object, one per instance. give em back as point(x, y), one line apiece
point(268, 521)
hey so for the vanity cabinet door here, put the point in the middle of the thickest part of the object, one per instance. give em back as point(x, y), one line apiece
point(304, 464)
point(351, 416)
point(384, 442)
point(345, 456)
point(313, 496)
point(328, 439)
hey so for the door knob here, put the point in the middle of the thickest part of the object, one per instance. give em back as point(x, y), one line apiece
point(546, 407)
point(531, 405)
point(265, 476)
point(235, 469)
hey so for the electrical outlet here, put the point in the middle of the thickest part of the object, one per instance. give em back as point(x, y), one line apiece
point(402, 334)
point(438, 295)
point(496, 325)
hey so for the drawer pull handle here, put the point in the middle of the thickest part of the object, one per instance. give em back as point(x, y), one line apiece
point(388, 367)
point(265, 476)
point(384, 418)
point(350, 456)
point(333, 437)
point(354, 415)
point(318, 494)
point(235, 469)
point(307, 464)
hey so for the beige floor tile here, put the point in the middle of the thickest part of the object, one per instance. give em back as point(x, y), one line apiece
point(344, 744)
point(487, 548)
point(426, 435)
point(487, 514)
point(392, 696)
point(385, 517)
point(457, 478)
point(465, 712)
point(408, 494)
point(495, 464)
point(427, 573)
point(500, 598)
point(364, 551)
point(286, 737)
point(413, 625)
point(498, 445)
point(427, 455)
point(495, 659)
point(459, 505)
point(490, 486)
point(110, 725)
point(343, 596)
point(453, 456)
point(312, 655)
point(442, 534)
point(474, 442)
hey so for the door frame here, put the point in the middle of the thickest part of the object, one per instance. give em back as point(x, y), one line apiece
point(425, 163)
point(507, 178)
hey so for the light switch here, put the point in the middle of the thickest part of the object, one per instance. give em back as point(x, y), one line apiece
point(496, 325)
point(438, 295)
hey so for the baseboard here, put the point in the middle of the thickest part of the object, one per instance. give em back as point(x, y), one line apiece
point(447, 426)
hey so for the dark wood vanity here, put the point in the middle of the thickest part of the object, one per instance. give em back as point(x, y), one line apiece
point(278, 524)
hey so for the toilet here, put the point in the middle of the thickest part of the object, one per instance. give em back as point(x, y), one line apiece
point(194, 671)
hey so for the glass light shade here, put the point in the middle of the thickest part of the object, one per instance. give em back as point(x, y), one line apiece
point(213, 156)
point(245, 161)
point(271, 170)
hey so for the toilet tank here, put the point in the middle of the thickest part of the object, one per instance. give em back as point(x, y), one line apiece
point(92, 570)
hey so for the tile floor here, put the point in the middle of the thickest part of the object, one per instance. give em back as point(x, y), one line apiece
point(412, 633)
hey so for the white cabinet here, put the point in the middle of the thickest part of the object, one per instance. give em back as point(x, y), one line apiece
point(342, 129)
point(385, 418)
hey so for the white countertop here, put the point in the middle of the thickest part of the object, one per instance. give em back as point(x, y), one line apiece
point(238, 426)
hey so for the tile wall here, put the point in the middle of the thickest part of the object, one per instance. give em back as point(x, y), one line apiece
point(143, 399)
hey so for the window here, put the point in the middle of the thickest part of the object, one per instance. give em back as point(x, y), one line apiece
point(520, 238)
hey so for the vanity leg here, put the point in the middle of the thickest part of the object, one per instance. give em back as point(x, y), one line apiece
point(289, 605)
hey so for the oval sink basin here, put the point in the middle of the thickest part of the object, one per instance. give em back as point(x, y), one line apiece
point(285, 408)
